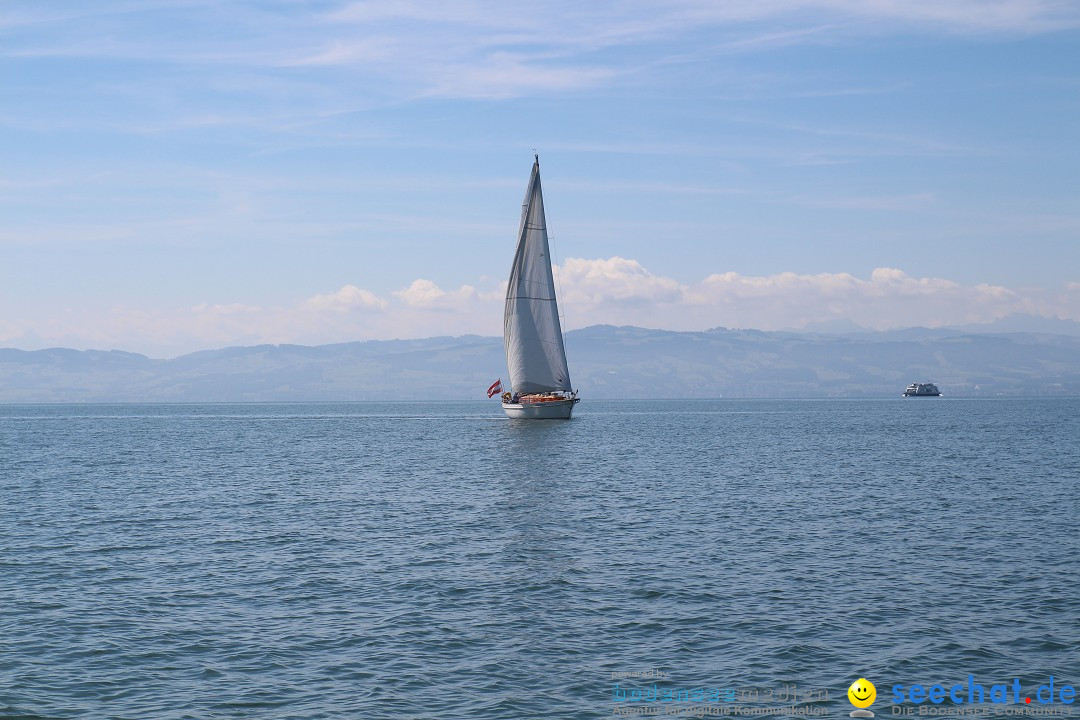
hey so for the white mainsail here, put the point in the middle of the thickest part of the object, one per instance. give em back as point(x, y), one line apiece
point(532, 333)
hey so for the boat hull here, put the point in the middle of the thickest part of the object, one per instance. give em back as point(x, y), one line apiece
point(555, 410)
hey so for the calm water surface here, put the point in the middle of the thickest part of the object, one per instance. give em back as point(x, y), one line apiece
point(416, 561)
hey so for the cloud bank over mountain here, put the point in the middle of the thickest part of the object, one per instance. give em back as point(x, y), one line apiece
point(614, 290)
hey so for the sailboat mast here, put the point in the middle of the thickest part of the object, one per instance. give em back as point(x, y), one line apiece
point(532, 330)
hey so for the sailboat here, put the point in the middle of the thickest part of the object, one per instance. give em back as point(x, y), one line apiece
point(532, 335)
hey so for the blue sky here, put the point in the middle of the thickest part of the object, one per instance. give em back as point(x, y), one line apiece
point(183, 175)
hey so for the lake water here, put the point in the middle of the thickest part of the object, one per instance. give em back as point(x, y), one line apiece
point(439, 561)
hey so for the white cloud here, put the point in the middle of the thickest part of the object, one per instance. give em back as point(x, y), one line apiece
point(613, 279)
point(473, 49)
point(347, 298)
point(621, 291)
point(426, 294)
point(410, 38)
point(422, 293)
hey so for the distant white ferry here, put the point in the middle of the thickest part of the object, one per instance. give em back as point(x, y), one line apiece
point(922, 390)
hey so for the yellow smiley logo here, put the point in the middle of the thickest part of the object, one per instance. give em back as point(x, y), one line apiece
point(862, 693)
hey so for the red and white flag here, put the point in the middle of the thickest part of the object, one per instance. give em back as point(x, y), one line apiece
point(496, 388)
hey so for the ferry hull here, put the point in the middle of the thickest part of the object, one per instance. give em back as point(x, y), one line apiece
point(557, 410)
point(922, 390)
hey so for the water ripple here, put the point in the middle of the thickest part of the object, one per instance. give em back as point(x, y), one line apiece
point(403, 561)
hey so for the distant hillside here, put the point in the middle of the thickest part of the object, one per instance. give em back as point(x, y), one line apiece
point(605, 362)
point(1021, 323)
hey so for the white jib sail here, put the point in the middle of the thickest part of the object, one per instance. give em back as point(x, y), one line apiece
point(531, 329)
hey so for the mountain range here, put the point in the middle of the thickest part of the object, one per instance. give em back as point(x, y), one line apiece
point(605, 362)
